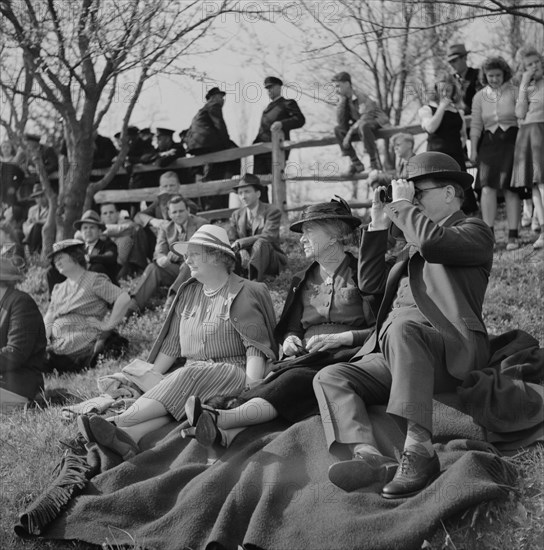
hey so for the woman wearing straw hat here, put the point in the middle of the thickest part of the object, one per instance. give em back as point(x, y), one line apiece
point(22, 341)
point(325, 320)
point(222, 324)
point(75, 320)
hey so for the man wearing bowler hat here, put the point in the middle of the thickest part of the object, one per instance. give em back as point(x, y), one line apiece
point(208, 133)
point(357, 117)
point(255, 232)
point(429, 330)
point(468, 77)
point(280, 114)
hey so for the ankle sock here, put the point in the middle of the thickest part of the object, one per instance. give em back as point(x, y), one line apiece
point(418, 440)
point(363, 448)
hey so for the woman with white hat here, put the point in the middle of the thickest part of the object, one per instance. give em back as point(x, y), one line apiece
point(222, 324)
point(22, 341)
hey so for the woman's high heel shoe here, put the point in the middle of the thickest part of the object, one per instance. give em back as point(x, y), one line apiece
point(206, 431)
point(194, 409)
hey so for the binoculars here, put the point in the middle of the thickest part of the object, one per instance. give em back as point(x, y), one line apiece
point(387, 195)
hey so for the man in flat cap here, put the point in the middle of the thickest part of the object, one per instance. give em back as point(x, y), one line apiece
point(280, 114)
point(468, 77)
point(255, 232)
point(357, 117)
point(208, 133)
point(429, 329)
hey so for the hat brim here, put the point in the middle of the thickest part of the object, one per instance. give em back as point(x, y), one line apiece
point(39, 194)
point(55, 252)
point(464, 179)
point(296, 227)
point(180, 248)
point(258, 186)
point(79, 223)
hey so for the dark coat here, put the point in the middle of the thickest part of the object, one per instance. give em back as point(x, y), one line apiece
point(208, 129)
point(104, 258)
point(281, 110)
point(104, 152)
point(266, 226)
point(470, 84)
point(22, 344)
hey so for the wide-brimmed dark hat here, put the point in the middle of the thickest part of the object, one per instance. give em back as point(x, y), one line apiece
point(215, 91)
point(133, 131)
point(211, 236)
point(36, 191)
point(455, 51)
point(250, 179)
point(272, 81)
point(436, 166)
point(342, 77)
point(61, 246)
point(336, 209)
point(90, 216)
point(164, 132)
point(33, 137)
point(146, 132)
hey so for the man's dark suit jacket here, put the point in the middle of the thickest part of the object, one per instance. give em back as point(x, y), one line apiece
point(448, 269)
point(266, 225)
point(208, 130)
point(281, 110)
point(22, 344)
point(104, 258)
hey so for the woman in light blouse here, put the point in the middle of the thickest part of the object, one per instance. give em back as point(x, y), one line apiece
point(529, 151)
point(493, 132)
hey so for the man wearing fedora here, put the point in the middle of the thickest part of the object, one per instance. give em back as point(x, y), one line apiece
point(208, 133)
point(468, 77)
point(255, 232)
point(36, 218)
point(429, 329)
point(357, 117)
point(167, 268)
point(100, 251)
point(280, 114)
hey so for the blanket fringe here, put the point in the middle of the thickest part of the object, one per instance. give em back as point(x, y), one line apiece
point(72, 477)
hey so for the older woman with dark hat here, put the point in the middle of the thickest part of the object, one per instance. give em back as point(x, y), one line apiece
point(22, 341)
point(75, 320)
point(222, 324)
point(325, 320)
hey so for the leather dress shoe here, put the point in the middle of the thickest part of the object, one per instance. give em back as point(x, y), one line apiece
point(206, 431)
point(363, 470)
point(414, 473)
point(194, 408)
point(107, 434)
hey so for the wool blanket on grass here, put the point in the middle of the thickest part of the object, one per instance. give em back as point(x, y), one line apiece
point(270, 490)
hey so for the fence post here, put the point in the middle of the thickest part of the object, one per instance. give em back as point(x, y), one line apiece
point(279, 192)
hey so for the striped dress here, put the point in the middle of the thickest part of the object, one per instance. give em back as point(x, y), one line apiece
point(216, 353)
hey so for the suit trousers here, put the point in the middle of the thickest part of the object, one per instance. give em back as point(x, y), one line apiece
point(407, 373)
point(367, 133)
point(265, 259)
point(152, 279)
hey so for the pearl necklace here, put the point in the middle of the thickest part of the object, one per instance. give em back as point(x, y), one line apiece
point(209, 293)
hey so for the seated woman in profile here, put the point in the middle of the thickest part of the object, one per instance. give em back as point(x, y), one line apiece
point(74, 322)
point(325, 316)
point(222, 324)
point(22, 341)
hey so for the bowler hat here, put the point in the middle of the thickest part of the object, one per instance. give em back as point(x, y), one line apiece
point(342, 77)
point(90, 216)
point(436, 166)
point(9, 271)
point(455, 51)
point(272, 81)
point(333, 210)
point(250, 179)
point(132, 131)
point(66, 244)
point(211, 236)
point(215, 91)
point(164, 132)
point(36, 191)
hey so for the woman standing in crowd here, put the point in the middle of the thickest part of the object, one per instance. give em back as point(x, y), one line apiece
point(325, 320)
point(493, 134)
point(529, 150)
point(74, 321)
point(222, 324)
point(443, 120)
point(22, 341)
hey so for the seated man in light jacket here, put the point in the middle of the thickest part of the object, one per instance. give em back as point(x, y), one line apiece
point(255, 232)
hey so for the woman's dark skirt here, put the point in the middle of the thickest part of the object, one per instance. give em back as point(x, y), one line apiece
point(496, 158)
